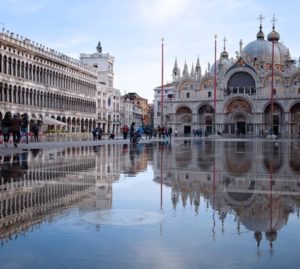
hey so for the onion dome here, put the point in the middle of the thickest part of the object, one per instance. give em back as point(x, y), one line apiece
point(261, 50)
point(223, 63)
point(273, 36)
point(260, 35)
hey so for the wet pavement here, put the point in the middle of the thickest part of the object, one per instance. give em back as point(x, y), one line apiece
point(191, 203)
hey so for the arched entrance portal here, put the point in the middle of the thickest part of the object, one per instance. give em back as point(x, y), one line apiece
point(238, 117)
point(205, 118)
point(184, 115)
point(273, 125)
point(240, 121)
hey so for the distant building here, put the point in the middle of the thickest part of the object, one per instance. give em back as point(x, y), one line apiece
point(108, 98)
point(140, 103)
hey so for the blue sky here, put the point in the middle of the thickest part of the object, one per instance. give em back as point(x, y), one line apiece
point(131, 31)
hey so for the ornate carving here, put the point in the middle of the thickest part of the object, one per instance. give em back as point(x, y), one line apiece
point(239, 105)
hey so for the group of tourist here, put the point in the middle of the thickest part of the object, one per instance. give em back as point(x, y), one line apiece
point(147, 130)
point(18, 126)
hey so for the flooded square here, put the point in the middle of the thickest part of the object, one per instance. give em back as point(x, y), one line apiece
point(187, 204)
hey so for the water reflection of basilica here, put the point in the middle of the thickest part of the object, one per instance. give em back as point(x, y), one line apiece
point(38, 185)
point(258, 182)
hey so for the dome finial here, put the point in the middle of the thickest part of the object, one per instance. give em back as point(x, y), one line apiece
point(224, 40)
point(273, 36)
point(224, 53)
point(273, 21)
point(260, 35)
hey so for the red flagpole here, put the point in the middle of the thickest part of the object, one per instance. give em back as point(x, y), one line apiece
point(215, 84)
point(272, 83)
point(162, 83)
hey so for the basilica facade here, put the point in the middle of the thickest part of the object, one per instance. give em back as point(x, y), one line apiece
point(255, 93)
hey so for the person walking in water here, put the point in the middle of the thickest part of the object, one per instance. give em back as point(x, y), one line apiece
point(16, 129)
point(24, 126)
point(35, 130)
point(6, 127)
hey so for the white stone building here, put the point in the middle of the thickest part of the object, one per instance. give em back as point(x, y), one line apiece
point(108, 104)
point(252, 98)
point(45, 83)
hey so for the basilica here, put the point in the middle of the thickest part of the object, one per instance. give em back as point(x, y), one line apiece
point(255, 93)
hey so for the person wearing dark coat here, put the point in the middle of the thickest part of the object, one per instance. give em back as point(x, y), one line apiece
point(16, 128)
point(6, 127)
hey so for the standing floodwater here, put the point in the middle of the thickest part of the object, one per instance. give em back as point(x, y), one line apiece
point(198, 204)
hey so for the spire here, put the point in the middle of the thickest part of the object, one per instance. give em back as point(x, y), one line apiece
point(260, 35)
point(192, 70)
point(241, 47)
point(176, 71)
point(198, 67)
point(175, 68)
point(185, 72)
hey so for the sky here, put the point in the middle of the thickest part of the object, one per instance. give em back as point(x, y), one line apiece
point(131, 31)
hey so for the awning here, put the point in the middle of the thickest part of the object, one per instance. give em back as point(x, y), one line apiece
point(51, 121)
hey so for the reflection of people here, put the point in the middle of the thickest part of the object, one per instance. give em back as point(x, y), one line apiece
point(24, 159)
point(131, 131)
point(10, 169)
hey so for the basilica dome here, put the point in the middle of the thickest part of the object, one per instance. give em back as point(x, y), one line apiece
point(223, 63)
point(261, 50)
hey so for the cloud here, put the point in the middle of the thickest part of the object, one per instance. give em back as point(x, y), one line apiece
point(157, 12)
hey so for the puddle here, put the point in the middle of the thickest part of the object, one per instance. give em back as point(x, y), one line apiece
point(122, 217)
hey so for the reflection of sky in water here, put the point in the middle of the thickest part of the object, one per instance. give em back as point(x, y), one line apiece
point(190, 233)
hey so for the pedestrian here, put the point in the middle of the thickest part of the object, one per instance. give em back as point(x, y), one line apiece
point(24, 126)
point(131, 131)
point(95, 133)
point(35, 130)
point(100, 131)
point(125, 130)
point(6, 127)
point(170, 131)
point(176, 132)
point(16, 128)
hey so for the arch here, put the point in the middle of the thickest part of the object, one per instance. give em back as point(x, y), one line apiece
point(278, 80)
point(238, 157)
point(238, 104)
point(206, 83)
point(295, 119)
point(274, 125)
point(272, 156)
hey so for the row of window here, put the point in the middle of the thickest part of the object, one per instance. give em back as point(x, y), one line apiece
point(32, 97)
point(13, 67)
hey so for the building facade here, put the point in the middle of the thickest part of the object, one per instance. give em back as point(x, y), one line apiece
point(108, 98)
point(255, 93)
point(42, 82)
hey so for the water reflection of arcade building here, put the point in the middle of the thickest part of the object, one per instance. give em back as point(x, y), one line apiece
point(38, 185)
point(255, 180)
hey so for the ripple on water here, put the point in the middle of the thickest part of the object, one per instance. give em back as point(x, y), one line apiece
point(122, 217)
